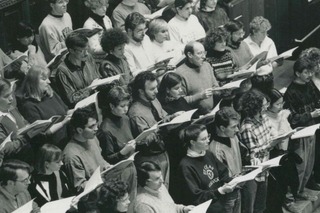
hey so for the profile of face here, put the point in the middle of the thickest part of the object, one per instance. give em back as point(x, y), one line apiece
point(198, 56)
point(211, 4)
point(150, 90)
point(260, 35)
point(44, 82)
point(185, 12)
point(90, 129)
point(121, 109)
point(53, 166)
point(138, 33)
point(26, 41)
point(277, 106)
point(101, 11)
point(305, 76)
point(162, 35)
point(220, 46)
point(123, 203)
point(155, 180)
point(21, 183)
point(118, 51)
point(80, 53)
point(6, 100)
point(265, 105)
point(175, 92)
point(59, 7)
point(202, 142)
point(237, 37)
point(231, 130)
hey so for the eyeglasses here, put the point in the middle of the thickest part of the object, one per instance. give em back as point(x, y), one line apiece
point(25, 181)
point(201, 53)
point(242, 33)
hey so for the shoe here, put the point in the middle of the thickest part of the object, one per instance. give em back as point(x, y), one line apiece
point(313, 185)
point(291, 207)
point(305, 196)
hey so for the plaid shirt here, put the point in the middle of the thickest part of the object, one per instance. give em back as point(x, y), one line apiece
point(256, 135)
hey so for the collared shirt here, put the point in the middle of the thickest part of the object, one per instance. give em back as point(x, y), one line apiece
point(266, 45)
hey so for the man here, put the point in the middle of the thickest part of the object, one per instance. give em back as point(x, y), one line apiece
point(152, 196)
point(197, 78)
point(226, 147)
point(15, 179)
point(144, 113)
point(185, 26)
point(77, 71)
point(54, 29)
point(126, 7)
point(139, 51)
point(240, 51)
point(82, 155)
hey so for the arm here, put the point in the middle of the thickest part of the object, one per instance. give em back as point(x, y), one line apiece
point(191, 99)
point(130, 59)
point(76, 174)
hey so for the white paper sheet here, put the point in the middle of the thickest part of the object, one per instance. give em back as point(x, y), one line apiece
point(99, 82)
point(184, 117)
point(87, 101)
point(201, 208)
point(7, 140)
point(306, 132)
point(26, 208)
point(146, 132)
point(155, 14)
point(288, 53)
point(250, 176)
point(231, 85)
point(57, 206)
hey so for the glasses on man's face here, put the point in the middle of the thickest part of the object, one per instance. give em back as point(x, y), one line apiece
point(241, 33)
point(202, 53)
point(25, 181)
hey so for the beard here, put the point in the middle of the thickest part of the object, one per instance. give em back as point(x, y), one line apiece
point(236, 44)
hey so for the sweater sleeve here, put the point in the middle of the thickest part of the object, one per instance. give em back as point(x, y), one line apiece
point(142, 207)
point(191, 99)
point(117, 20)
point(30, 112)
point(139, 125)
point(109, 151)
point(76, 174)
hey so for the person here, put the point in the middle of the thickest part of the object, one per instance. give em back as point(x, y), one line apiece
point(197, 93)
point(54, 29)
point(114, 197)
point(77, 71)
point(202, 175)
point(211, 15)
point(170, 94)
point(15, 179)
point(218, 56)
point(226, 147)
point(184, 26)
point(6, 60)
point(82, 155)
point(48, 181)
point(113, 42)
point(240, 51)
point(153, 197)
point(126, 7)
point(138, 51)
point(36, 101)
point(302, 99)
point(97, 19)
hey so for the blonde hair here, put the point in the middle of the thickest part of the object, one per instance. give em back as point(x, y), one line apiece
point(259, 23)
point(94, 4)
point(155, 26)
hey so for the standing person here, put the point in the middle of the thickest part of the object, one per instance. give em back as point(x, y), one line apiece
point(49, 182)
point(97, 19)
point(54, 29)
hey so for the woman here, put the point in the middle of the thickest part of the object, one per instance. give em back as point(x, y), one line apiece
point(97, 19)
point(115, 136)
point(39, 102)
point(210, 15)
point(48, 182)
point(113, 42)
point(202, 175)
point(170, 92)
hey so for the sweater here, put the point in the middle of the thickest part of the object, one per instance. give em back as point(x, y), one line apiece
point(194, 81)
point(212, 19)
point(151, 201)
point(52, 33)
point(176, 105)
point(240, 55)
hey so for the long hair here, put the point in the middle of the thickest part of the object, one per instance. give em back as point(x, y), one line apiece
point(47, 153)
point(168, 81)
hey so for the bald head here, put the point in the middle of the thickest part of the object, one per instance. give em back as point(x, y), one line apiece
point(195, 53)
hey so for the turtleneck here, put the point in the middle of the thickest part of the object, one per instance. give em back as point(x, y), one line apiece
point(98, 19)
point(193, 154)
point(215, 53)
point(193, 66)
point(113, 117)
point(299, 85)
point(56, 16)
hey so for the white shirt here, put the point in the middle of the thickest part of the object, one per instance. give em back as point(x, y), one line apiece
point(167, 48)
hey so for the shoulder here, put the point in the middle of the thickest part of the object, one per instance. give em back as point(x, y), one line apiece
point(89, 23)
point(135, 110)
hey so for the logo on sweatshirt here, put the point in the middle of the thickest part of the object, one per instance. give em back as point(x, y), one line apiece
point(208, 171)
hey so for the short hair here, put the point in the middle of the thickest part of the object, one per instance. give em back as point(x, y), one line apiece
point(30, 86)
point(139, 82)
point(301, 64)
point(259, 23)
point(225, 115)
point(55, 1)
point(191, 132)
point(274, 95)
point(94, 4)
point(8, 170)
point(182, 3)
point(133, 20)
point(264, 83)
point(189, 48)
point(75, 39)
point(251, 103)
point(24, 29)
point(113, 38)
point(143, 171)
point(213, 36)
point(233, 26)
point(110, 192)
point(4, 85)
point(47, 153)
point(80, 117)
point(169, 80)
point(313, 54)
point(155, 26)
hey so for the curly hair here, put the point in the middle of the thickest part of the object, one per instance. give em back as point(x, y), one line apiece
point(112, 38)
point(313, 54)
point(110, 193)
point(303, 63)
point(94, 4)
point(259, 23)
point(213, 36)
point(251, 103)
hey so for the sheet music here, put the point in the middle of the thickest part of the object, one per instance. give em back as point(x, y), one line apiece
point(306, 132)
point(201, 208)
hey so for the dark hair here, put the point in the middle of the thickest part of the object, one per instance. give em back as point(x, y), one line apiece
point(225, 115)
point(251, 103)
point(112, 38)
point(24, 29)
point(4, 85)
point(313, 54)
point(213, 36)
point(80, 117)
point(189, 48)
point(301, 64)
point(75, 39)
point(233, 26)
point(182, 3)
point(140, 81)
point(110, 192)
point(47, 153)
point(274, 95)
point(8, 170)
point(133, 20)
point(264, 83)
point(143, 171)
point(168, 81)
point(192, 132)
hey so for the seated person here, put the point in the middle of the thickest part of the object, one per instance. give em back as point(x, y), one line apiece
point(54, 29)
point(77, 71)
point(15, 179)
point(97, 19)
point(48, 181)
point(125, 8)
point(113, 42)
point(152, 195)
point(5, 60)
